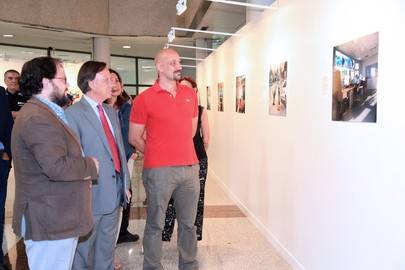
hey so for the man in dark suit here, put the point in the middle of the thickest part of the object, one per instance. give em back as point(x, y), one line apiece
point(52, 206)
point(6, 123)
point(97, 125)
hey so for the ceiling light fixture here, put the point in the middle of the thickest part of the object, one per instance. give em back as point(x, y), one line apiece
point(126, 47)
point(243, 4)
point(172, 33)
point(8, 35)
point(181, 6)
point(190, 58)
point(188, 66)
point(188, 47)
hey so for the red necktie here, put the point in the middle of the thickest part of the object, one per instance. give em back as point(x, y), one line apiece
point(110, 138)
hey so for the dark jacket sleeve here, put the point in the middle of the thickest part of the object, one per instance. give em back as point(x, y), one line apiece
point(124, 114)
point(6, 122)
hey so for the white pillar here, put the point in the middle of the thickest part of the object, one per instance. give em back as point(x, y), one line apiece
point(102, 49)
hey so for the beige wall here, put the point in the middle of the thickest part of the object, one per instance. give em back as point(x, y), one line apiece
point(86, 16)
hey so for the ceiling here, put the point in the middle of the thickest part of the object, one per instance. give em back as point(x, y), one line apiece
point(361, 48)
point(217, 17)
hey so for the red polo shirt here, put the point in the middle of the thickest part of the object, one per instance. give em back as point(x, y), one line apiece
point(168, 123)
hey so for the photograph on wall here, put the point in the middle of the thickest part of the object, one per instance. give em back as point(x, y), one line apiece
point(240, 93)
point(277, 90)
point(220, 97)
point(354, 85)
point(208, 98)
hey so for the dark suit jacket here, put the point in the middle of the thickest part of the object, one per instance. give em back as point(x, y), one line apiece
point(52, 178)
point(124, 114)
point(6, 121)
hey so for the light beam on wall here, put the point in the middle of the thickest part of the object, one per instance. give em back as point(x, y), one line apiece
point(243, 4)
point(168, 45)
point(172, 33)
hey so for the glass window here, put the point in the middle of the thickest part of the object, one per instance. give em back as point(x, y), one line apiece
point(125, 66)
point(147, 71)
point(72, 61)
point(12, 57)
point(131, 90)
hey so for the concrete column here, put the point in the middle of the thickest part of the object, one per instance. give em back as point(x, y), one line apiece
point(205, 43)
point(253, 14)
point(102, 49)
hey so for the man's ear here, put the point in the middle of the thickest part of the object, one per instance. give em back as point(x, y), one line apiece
point(92, 84)
point(46, 84)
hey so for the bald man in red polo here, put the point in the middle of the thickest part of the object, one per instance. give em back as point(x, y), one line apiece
point(167, 112)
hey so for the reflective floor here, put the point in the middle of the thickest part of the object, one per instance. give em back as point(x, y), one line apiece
point(230, 241)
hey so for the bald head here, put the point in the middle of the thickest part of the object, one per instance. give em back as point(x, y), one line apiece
point(164, 54)
point(167, 63)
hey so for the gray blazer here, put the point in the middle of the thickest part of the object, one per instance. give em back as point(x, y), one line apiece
point(108, 192)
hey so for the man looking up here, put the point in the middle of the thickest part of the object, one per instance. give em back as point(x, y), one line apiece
point(98, 127)
point(168, 112)
point(52, 206)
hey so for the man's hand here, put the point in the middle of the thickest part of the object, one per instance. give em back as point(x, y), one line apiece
point(96, 163)
point(4, 156)
point(128, 194)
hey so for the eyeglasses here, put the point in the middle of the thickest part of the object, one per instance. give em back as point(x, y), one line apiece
point(61, 78)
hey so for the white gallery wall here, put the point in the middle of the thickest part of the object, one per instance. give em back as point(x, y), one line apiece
point(329, 195)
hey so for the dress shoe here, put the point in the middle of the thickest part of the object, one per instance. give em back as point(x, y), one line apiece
point(127, 237)
point(5, 266)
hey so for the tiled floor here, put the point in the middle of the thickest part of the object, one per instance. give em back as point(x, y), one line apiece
point(230, 241)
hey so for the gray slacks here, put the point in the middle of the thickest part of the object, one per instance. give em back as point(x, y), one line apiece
point(181, 183)
point(96, 250)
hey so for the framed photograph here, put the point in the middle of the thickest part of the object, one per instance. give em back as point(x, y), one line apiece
point(278, 90)
point(355, 75)
point(221, 97)
point(208, 98)
point(240, 93)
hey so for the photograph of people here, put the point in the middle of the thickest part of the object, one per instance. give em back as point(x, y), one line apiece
point(355, 73)
point(240, 93)
point(277, 89)
point(220, 97)
point(208, 98)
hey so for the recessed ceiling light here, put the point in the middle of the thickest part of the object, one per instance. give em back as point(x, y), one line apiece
point(126, 47)
point(8, 35)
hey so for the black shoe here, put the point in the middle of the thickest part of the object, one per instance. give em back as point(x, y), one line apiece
point(5, 266)
point(127, 237)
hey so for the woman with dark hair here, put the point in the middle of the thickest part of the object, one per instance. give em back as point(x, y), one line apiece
point(121, 101)
point(201, 140)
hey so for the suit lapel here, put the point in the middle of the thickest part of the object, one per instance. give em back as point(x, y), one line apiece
point(94, 121)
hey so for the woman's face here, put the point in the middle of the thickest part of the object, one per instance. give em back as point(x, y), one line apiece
point(116, 85)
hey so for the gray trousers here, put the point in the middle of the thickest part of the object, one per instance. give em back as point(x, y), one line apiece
point(181, 183)
point(96, 250)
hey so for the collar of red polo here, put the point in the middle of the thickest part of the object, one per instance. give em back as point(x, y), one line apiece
point(157, 87)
